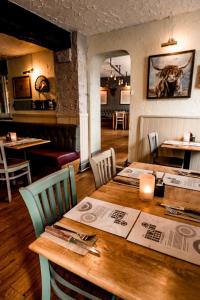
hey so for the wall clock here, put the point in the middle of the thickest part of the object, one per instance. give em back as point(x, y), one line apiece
point(42, 84)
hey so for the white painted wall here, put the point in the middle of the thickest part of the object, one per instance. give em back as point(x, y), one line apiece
point(140, 42)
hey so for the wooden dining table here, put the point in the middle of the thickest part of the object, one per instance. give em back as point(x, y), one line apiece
point(23, 143)
point(128, 270)
point(188, 148)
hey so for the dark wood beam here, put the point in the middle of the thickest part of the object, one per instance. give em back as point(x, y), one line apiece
point(24, 25)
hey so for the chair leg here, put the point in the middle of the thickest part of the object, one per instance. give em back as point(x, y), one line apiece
point(8, 187)
point(29, 175)
point(45, 277)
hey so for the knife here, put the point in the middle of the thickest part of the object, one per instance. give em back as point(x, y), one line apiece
point(58, 233)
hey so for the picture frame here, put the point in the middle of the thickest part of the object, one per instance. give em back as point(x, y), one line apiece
point(104, 97)
point(21, 87)
point(125, 96)
point(170, 75)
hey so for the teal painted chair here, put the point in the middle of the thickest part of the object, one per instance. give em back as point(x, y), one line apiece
point(47, 200)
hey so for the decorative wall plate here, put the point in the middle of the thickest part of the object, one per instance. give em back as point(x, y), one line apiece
point(42, 84)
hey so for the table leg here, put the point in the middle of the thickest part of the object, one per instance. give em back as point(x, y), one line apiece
point(186, 162)
point(113, 121)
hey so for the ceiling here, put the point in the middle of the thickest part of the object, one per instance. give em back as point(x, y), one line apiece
point(98, 16)
point(11, 47)
point(93, 17)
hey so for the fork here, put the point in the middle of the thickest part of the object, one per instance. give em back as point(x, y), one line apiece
point(176, 212)
point(82, 236)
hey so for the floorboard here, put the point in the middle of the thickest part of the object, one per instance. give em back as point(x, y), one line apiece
point(19, 267)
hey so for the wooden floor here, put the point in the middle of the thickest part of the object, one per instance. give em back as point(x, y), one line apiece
point(19, 267)
point(118, 139)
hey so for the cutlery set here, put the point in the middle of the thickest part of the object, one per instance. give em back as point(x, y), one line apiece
point(189, 174)
point(64, 234)
point(82, 236)
point(176, 212)
point(181, 212)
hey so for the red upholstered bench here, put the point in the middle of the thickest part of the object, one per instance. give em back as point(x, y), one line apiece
point(58, 158)
point(64, 147)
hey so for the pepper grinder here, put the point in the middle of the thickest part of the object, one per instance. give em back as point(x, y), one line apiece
point(159, 187)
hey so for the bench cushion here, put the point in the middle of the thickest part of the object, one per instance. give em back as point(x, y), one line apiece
point(59, 158)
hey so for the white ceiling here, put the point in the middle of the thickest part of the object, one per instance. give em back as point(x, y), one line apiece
point(97, 16)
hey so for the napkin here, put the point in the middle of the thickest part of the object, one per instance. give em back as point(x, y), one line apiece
point(69, 245)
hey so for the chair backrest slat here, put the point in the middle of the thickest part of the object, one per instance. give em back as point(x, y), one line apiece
point(49, 198)
point(72, 186)
point(59, 198)
point(46, 207)
point(109, 168)
point(103, 166)
point(52, 201)
point(66, 194)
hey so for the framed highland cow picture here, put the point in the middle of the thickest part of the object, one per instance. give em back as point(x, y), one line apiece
point(170, 75)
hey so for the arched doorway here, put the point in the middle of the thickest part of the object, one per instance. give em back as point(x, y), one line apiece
point(95, 144)
point(115, 102)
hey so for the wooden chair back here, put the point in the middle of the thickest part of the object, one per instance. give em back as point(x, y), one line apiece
point(12, 169)
point(153, 141)
point(103, 166)
point(47, 199)
point(3, 156)
point(120, 118)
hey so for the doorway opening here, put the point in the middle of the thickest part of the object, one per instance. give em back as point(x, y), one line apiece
point(115, 92)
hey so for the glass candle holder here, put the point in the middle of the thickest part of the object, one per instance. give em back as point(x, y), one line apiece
point(186, 136)
point(147, 186)
point(13, 136)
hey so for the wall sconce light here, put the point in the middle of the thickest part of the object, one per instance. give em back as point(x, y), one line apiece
point(28, 71)
point(171, 41)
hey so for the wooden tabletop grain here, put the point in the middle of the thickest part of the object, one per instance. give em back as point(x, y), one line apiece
point(128, 270)
point(181, 147)
point(28, 144)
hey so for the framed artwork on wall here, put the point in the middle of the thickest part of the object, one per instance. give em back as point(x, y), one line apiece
point(21, 87)
point(104, 96)
point(125, 96)
point(170, 75)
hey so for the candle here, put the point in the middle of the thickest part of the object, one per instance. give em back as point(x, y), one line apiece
point(13, 136)
point(147, 185)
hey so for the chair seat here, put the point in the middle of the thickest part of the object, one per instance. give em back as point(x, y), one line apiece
point(14, 163)
point(175, 162)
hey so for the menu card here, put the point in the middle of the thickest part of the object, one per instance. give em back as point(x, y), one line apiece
point(170, 237)
point(103, 215)
point(133, 172)
point(182, 181)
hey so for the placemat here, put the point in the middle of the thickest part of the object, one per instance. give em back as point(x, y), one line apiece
point(106, 216)
point(170, 237)
point(184, 182)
